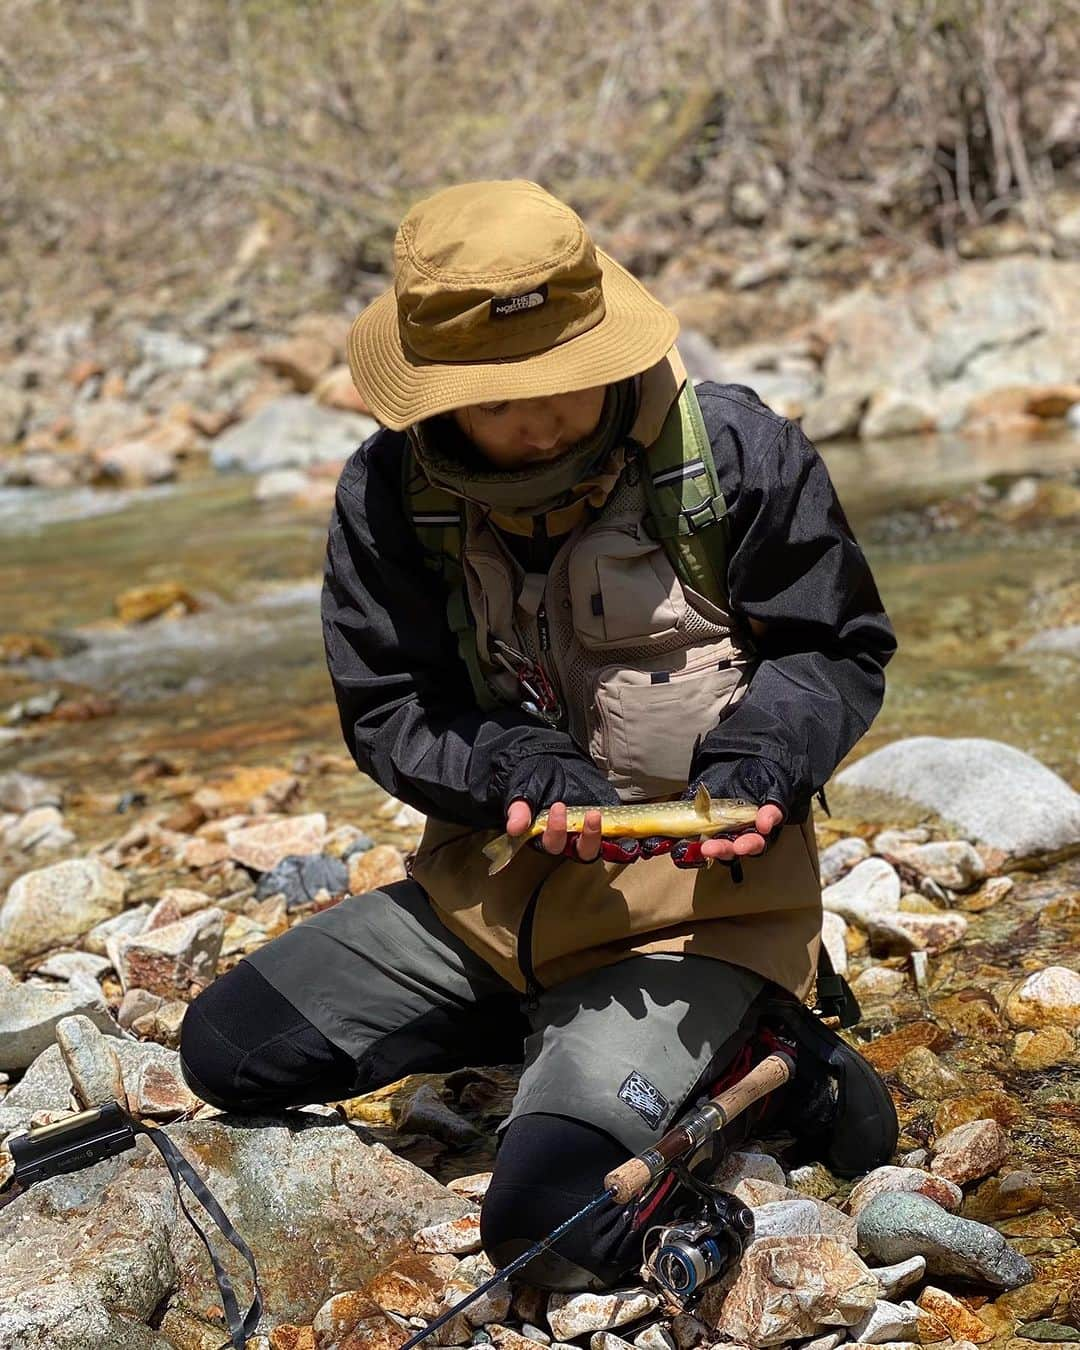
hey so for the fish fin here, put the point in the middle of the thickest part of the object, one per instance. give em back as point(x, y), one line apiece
point(501, 851)
point(703, 802)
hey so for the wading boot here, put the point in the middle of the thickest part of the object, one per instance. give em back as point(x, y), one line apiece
point(837, 1106)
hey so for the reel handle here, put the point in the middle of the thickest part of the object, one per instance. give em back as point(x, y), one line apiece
point(627, 1181)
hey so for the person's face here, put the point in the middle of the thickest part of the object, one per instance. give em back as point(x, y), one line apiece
point(528, 431)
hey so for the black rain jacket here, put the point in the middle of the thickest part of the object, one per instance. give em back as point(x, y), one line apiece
point(407, 707)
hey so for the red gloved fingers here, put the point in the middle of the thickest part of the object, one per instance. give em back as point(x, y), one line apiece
point(620, 850)
point(687, 853)
point(611, 850)
point(657, 845)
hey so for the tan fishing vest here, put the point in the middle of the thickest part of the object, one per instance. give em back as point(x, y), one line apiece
point(643, 666)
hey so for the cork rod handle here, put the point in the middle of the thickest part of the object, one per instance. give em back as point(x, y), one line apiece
point(630, 1179)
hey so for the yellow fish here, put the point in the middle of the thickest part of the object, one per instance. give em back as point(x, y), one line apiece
point(701, 818)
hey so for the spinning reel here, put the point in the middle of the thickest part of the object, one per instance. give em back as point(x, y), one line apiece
point(688, 1254)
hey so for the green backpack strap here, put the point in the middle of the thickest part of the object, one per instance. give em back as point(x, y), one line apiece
point(437, 516)
point(686, 511)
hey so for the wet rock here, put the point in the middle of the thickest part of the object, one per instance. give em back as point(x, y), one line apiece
point(953, 863)
point(988, 894)
point(1004, 1197)
point(1045, 1330)
point(886, 1052)
point(1050, 997)
point(841, 857)
point(790, 1287)
point(834, 938)
point(38, 831)
point(949, 1319)
point(991, 1104)
point(995, 793)
point(54, 906)
point(896, 1180)
point(971, 1012)
point(290, 432)
point(892, 412)
point(172, 959)
point(813, 1180)
point(932, 933)
point(458, 1236)
point(29, 1016)
point(262, 847)
point(1043, 1049)
point(93, 1064)
point(894, 1227)
point(871, 889)
point(970, 1151)
point(887, 1321)
point(573, 1315)
point(922, 1073)
point(893, 1280)
point(142, 603)
point(300, 879)
point(375, 868)
point(878, 982)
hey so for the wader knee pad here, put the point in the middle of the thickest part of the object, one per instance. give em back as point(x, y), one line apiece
point(245, 1048)
point(837, 1105)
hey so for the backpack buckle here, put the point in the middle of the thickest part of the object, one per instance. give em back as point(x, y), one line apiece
point(700, 517)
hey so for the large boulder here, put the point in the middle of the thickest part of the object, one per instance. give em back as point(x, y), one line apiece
point(290, 432)
point(993, 792)
point(321, 1210)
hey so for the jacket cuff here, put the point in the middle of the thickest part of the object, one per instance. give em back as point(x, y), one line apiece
point(753, 777)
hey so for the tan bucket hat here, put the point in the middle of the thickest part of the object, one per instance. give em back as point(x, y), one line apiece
point(499, 293)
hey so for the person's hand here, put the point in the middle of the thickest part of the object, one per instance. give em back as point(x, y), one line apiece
point(748, 844)
point(586, 846)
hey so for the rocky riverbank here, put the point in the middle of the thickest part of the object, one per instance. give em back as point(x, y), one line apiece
point(965, 967)
point(985, 348)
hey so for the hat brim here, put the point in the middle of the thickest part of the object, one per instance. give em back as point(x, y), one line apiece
point(401, 388)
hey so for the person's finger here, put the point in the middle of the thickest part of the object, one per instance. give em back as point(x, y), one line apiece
point(588, 844)
point(768, 818)
point(518, 817)
point(748, 845)
point(554, 836)
point(720, 849)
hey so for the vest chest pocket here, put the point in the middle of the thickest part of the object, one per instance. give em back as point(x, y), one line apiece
point(643, 724)
point(623, 590)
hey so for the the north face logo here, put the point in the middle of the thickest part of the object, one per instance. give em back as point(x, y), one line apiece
point(640, 1095)
point(506, 306)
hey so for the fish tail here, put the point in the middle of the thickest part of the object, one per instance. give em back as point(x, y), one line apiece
point(501, 851)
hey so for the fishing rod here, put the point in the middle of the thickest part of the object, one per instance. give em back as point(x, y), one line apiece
point(631, 1179)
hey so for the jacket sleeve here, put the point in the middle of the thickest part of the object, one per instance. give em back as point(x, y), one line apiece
point(795, 567)
point(407, 708)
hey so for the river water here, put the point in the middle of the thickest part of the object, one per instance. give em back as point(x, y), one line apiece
point(244, 680)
